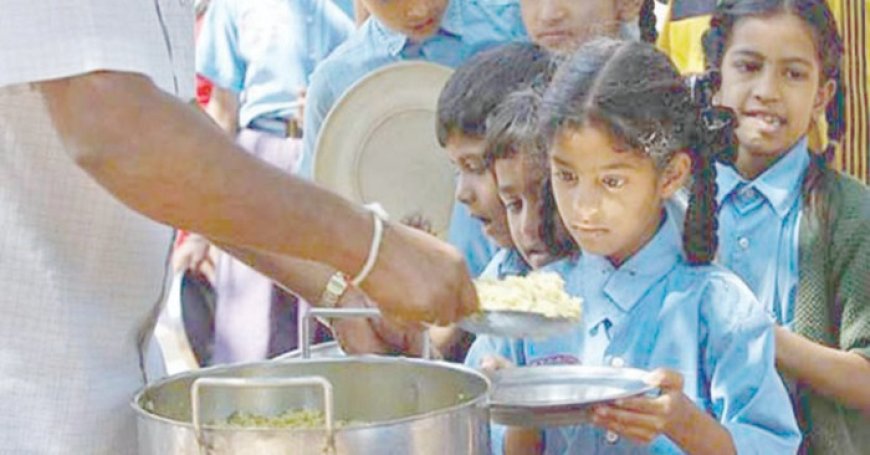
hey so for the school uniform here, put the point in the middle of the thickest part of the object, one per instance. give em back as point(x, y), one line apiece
point(809, 272)
point(658, 311)
point(467, 27)
point(506, 262)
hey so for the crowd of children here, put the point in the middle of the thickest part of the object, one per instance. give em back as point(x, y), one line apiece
point(708, 241)
point(701, 224)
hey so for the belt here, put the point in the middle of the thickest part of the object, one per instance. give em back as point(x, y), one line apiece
point(277, 126)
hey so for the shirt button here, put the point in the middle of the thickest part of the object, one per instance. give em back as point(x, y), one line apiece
point(617, 362)
point(309, 19)
point(611, 437)
point(743, 242)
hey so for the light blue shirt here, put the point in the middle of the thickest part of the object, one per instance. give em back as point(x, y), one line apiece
point(265, 50)
point(758, 229)
point(467, 27)
point(658, 311)
point(506, 262)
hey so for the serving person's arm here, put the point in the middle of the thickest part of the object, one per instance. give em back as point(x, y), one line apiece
point(168, 161)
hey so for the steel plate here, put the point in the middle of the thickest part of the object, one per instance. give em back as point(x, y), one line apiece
point(559, 395)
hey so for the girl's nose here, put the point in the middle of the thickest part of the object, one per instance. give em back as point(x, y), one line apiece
point(767, 86)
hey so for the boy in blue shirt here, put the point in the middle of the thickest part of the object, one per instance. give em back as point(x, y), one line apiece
point(446, 32)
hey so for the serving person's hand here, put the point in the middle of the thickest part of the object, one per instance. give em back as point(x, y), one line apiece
point(374, 335)
point(418, 277)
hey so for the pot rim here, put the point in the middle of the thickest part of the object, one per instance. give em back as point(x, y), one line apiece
point(373, 359)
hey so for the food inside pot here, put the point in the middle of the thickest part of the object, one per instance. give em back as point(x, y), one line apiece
point(290, 419)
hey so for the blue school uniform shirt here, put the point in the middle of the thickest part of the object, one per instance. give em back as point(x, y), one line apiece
point(504, 263)
point(658, 311)
point(265, 50)
point(467, 27)
point(758, 229)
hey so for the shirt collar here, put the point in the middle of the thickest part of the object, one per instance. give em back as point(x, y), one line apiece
point(626, 285)
point(451, 24)
point(780, 184)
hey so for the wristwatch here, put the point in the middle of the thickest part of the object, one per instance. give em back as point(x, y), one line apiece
point(335, 288)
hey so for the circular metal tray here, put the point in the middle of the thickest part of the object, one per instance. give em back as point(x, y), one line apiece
point(559, 395)
point(516, 324)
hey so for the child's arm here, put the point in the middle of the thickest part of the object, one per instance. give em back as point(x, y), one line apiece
point(523, 441)
point(671, 414)
point(840, 375)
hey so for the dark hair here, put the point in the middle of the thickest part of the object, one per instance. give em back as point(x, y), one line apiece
point(829, 51)
point(478, 86)
point(636, 93)
point(647, 21)
point(514, 128)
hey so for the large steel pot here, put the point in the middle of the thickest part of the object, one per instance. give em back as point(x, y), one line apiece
point(396, 405)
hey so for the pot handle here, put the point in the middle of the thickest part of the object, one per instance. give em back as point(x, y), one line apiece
point(245, 383)
point(315, 312)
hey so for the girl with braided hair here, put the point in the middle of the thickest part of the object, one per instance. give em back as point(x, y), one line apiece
point(795, 230)
point(624, 135)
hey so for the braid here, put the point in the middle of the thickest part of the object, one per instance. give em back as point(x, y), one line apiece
point(700, 240)
point(647, 21)
point(712, 140)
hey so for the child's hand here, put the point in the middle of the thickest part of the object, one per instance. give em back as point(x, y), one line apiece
point(642, 419)
point(493, 363)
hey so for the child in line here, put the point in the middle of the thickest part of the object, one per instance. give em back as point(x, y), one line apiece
point(517, 151)
point(468, 98)
point(447, 32)
point(795, 230)
point(563, 25)
point(624, 137)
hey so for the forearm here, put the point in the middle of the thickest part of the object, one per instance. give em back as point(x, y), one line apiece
point(842, 376)
point(169, 162)
point(306, 279)
point(697, 432)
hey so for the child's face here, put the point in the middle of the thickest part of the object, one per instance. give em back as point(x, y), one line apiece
point(564, 25)
point(476, 187)
point(771, 79)
point(520, 180)
point(609, 198)
point(416, 19)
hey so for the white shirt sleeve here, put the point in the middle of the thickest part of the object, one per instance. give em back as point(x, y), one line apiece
point(50, 39)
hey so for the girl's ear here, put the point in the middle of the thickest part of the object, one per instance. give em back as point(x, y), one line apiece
point(824, 96)
point(675, 174)
point(628, 10)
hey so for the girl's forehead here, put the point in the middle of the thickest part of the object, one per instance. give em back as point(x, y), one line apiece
point(783, 34)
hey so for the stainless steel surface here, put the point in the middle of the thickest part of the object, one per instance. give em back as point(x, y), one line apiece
point(394, 405)
point(325, 350)
point(560, 394)
point(304, 341)
point(255, 383)
point(516, 324)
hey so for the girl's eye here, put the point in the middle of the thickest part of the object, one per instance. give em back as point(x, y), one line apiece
point(513, 205)
point(474, 166)
point(795, 75)
point(613, 182)
point(745, 66)
point(565, 176)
